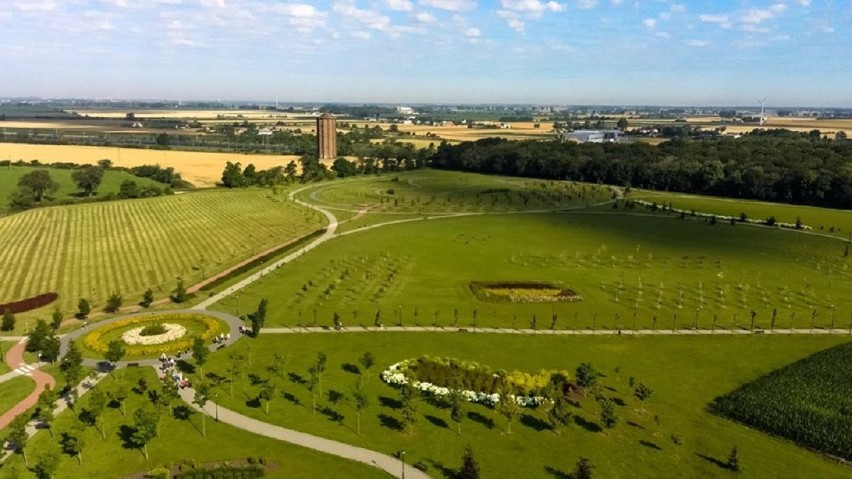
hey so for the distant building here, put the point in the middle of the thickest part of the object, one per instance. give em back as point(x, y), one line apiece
point(592, 136)
point(326, 137)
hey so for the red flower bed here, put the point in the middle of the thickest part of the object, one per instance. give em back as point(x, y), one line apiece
point(29, 304)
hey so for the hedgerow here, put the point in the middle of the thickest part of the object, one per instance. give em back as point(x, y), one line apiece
point(29, 304)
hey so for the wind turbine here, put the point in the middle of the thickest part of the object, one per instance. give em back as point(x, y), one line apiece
point(762, 105)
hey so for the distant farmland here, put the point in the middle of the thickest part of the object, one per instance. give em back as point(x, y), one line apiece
point(128, 246)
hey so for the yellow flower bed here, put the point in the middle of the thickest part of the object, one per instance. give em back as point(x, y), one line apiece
point(212, 329)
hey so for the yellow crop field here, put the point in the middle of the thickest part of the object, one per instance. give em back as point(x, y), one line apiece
point(200, 169)
point(193, 114)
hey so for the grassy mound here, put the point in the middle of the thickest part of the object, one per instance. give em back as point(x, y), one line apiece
point(808, 402)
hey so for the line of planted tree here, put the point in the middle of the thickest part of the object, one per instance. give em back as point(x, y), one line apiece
point(770, 165)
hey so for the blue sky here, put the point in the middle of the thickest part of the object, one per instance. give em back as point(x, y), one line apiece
point(794, 52)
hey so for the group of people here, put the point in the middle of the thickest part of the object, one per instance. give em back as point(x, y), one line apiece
point(223, 337)
point(171, 373)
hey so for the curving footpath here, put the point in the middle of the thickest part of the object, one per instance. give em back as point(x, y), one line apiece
point(15, 360)
point(387, 463)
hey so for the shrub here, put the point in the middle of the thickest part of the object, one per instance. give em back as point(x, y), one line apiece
point(153, 330)
point(30, 304)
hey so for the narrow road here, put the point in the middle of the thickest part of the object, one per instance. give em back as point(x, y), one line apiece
point(555, 332)
point(387, 463)
point(15, 360)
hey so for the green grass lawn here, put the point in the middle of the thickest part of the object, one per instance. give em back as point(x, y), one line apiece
point(656, 267)
point(179, 440)
point(686, 373)
point(68, 190)
point(14, 391)
point(128, 246)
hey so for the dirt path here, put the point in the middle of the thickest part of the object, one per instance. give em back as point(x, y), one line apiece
point(15, 360)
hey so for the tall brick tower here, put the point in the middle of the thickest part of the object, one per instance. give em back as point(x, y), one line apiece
point(326, 137)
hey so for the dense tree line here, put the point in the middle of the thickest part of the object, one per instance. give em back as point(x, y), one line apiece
point(771, 165)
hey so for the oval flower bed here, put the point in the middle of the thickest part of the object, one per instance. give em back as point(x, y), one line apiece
point(207, 327)
point(522, 292)
point(474, 382)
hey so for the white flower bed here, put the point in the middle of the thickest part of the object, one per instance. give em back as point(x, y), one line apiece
point(395, 375)
point(134, 336)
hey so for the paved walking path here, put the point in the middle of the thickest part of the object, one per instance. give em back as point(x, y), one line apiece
point(15, 360)
point(387, 463)
point(549, 332)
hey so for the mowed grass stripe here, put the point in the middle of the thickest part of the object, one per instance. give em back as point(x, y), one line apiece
point(117, 236)
point(148, 225)
point(8, 255)
point(18, 240)
point(142, 250)
point(45, 252)
point(180, 228)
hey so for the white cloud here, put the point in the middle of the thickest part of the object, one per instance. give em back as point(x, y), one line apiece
point(361, 35)
point(649, 22)
point(424, 17)
point(516, 24)
point(371, 19)
point(37, 6)
point(451, 5)
point(828, 30)
point(472, 32)
point(615, 2)
point(665, 15)
point(678, 8)
point(400, 5)
point(698, 43)
point(303, 17)
point(757, 15)
point(805, 3)
point(586, 4)
point(531, 7)
point(212, 3)
point(721, 20)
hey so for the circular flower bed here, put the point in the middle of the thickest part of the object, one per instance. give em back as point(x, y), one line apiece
point(137, 335)
point(181, 327)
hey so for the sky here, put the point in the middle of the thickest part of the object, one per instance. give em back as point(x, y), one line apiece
point(571, 52)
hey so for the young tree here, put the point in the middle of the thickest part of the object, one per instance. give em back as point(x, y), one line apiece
point(145, 428)
point(587, 376)
point(50, 348)
point(115, 351)
point(320, 365)
point(8, 323)
point(200, 353)
point(313, 382)
point(179, 295)
point(469, 468)
point(268, 390)
point(56, 319)
point(361, 401)
point(509, 408)
point(46, 405)
point(71, 366)
point(258, 317)
point(47, 463)
point(119, 396)
point(17, 436)
point(36, 337)
point(559, 415)
point(88, 179)
point(367, 361)
point(235, 368)
point(642, 392)
point(97, 404)
point(113, 303)
point(583, 469)
point(733, 462)
point(147, 298)
point(457, 408)
point(202, 396)
point(83, 308)
point(609, 418)
point(73, 441)
point(408, 397)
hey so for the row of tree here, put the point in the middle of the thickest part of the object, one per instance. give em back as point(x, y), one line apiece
point(771, 165)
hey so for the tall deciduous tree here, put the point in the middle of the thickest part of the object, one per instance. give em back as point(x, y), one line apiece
point(40, 184)
point(202, 396)
point(147, 298)
point(17, 436)
point(145, 427)
point(587, 376)
point(113, 303)
point(200, 353)
point(360, 400)
point(97, 404)
point(88, 179)
point(83, 308)
point(71, 365)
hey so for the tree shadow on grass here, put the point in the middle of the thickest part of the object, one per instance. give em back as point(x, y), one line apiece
point(125, 434)
point(650, 445)
point(182, 412)
point(390, 422)
point(529, 420)
point(558, 474)
point(633, 424)
point(436, 421)
point(586, 424)
point(253, 403)
point(331, 414)
point(215, 378)
point(445, 471)
point(293, 399)
point(185, 367)
point(255, 379)
point(712, 460)
point(295, 378)
point(335, 396)
point(481, 419)
point(350, 368)
point(390, 402)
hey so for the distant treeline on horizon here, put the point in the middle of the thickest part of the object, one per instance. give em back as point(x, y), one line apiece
point(769, 165)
